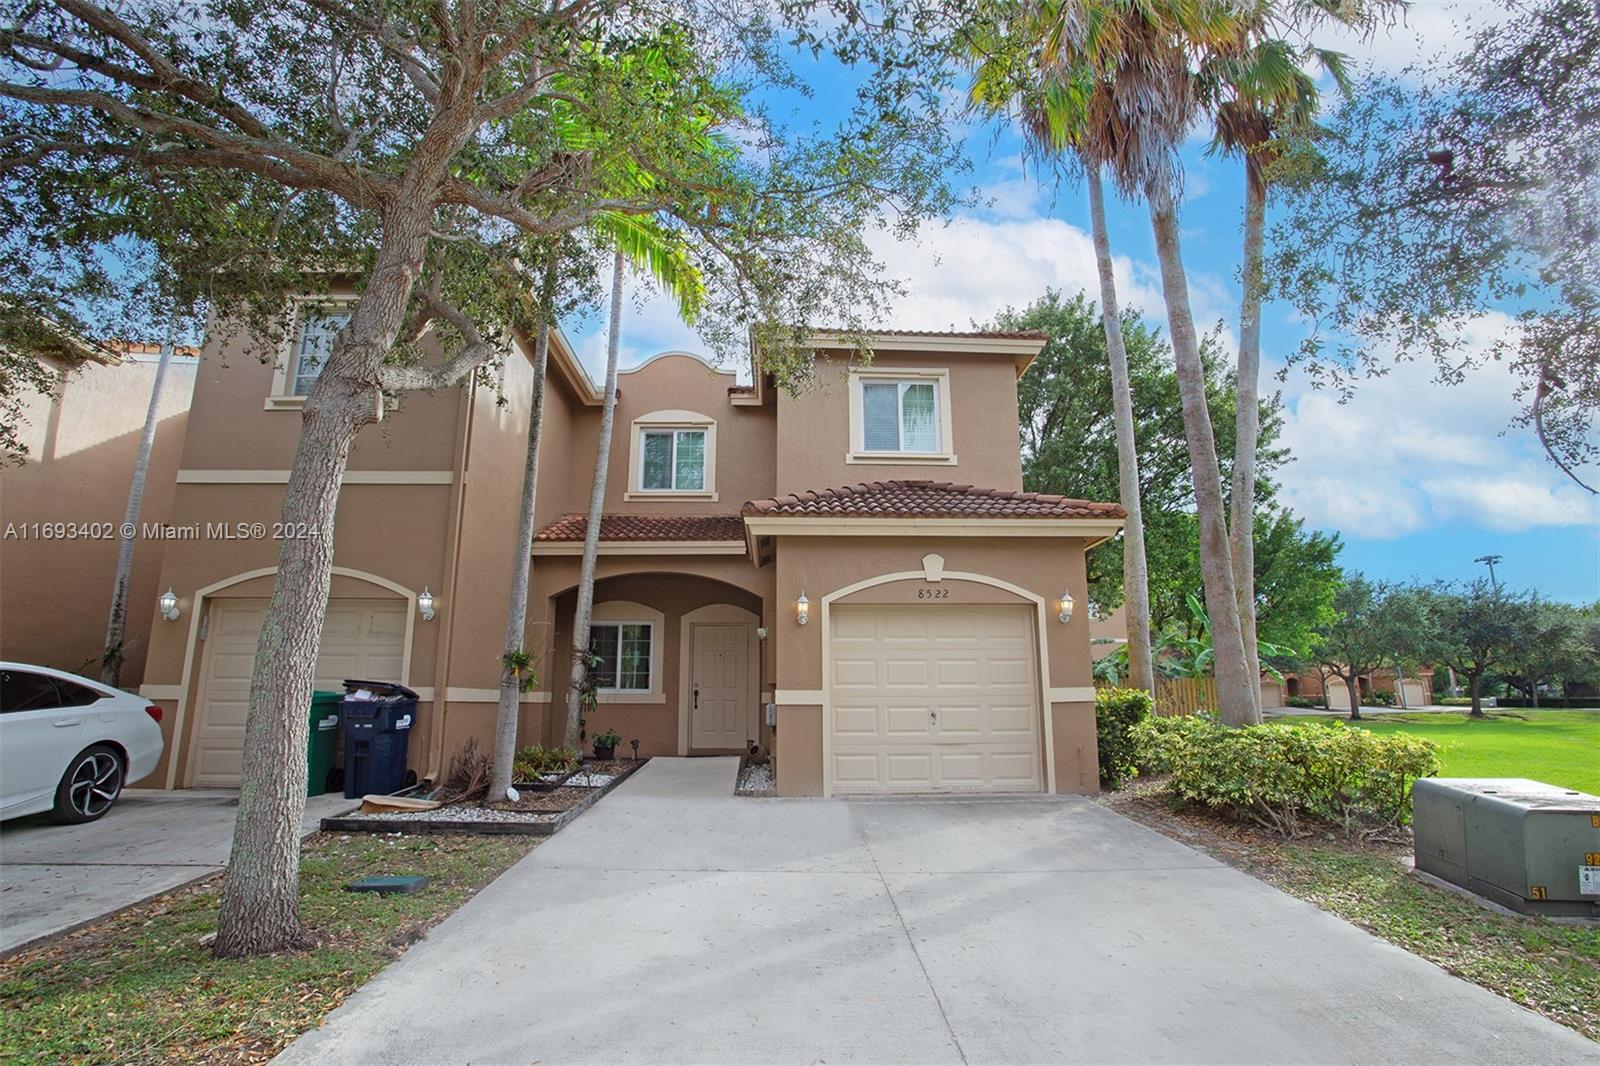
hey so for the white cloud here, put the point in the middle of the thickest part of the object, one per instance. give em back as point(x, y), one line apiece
point(1427, 30)
point(1408, 454)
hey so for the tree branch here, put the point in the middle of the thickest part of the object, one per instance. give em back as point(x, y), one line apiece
point(454, 370)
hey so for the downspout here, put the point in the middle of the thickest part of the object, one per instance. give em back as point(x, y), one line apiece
point(452, 553)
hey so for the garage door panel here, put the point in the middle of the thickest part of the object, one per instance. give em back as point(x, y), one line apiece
point(953, 697)
point(360, 639)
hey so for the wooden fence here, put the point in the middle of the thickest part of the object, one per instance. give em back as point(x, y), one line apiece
point(1184, 695)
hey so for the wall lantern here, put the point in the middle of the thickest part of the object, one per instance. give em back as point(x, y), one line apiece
point(169, 605)
point(1065, 614)
point(425, 604)
point(761, 632)
point(802, 609)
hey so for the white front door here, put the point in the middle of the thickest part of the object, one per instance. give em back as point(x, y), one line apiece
point(362, 639)
point(934, 699)
point(722, 696)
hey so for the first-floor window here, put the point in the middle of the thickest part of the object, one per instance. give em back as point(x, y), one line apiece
point(623, 650)
point(313, 345)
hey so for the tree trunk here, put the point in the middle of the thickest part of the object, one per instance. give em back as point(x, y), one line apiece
point(583, 616)
point(1241, 536)
point(1475, 679)
point(1237, 704)
point(505, 733)
point(1135, 579)
point(260, 911)
point(1353, 685)
point(117, 623)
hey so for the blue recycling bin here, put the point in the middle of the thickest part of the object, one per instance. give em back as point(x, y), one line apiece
point(375, 718)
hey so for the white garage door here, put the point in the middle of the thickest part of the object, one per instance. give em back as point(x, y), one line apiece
point(934, 699)
point(360, 638)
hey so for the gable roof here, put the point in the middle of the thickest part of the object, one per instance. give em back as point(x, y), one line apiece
point(927, 499)
point(624, 527)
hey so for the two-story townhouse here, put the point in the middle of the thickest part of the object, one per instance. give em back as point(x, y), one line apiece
point(849, 575)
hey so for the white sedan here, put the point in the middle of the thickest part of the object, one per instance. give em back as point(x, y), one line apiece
point(68, 744)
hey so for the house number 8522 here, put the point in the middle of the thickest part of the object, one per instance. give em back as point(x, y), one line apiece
point(933, 594)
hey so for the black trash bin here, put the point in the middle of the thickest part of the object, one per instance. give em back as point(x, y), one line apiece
point(375, 719)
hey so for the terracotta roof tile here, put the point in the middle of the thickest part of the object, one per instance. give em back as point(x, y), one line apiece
point(647, 527)
point(929, 499)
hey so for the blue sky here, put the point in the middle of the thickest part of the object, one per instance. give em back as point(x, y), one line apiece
point(1419, 479)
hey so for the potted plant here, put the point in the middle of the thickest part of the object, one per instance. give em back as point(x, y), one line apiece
point(605, 745)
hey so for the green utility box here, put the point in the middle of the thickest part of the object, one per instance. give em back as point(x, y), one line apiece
point(1526, 845)
point(323, 744)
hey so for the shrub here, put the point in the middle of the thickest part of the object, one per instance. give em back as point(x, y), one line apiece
point(1116, 712)
point(1454, 701)
point(1380, 699)
point(535, 761)
point(1300, 701)
point(1278, 776)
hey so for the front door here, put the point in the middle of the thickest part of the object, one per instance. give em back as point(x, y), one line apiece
point(721, 693)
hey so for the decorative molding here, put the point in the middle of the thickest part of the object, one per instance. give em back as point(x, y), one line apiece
point(643, 547)
point(453, 694)
point(804, 697)
point(1071, 694)
point(351, 477)
point(161, 692)
point(933, 567)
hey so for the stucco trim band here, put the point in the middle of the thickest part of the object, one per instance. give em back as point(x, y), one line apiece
point(1071, 694)
point(351, 477)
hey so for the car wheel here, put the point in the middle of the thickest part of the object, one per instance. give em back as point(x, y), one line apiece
point(90, 786)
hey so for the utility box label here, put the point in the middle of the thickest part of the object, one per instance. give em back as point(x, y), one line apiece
point(1589, 880)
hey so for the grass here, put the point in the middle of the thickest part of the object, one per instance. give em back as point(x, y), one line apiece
point(1557, 747)
point(139, 986)
point(1549, 968)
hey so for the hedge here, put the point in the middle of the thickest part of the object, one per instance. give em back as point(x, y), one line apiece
point(1281, 777)
point(1116, 712)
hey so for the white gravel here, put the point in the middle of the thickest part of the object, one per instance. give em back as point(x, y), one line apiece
point(458, 813)
point(757, 778)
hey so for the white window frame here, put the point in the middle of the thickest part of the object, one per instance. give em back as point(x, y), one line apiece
point(939, 377)
point(655, 654)
point(671, 422)
point(283, 397)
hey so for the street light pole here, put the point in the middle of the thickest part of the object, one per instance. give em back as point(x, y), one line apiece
point(1489, 561)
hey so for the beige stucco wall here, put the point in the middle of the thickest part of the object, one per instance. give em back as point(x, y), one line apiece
point(813, 426)
point(821, 566)
point(82, 442)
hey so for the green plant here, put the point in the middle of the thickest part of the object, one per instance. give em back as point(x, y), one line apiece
point(1380, 699)
point(589, 688)
point(1281, 776)
point(1300, 701)
point(1191, 654)
point(519, 664)
point(1454, 701)
point(535, 761)
point(1116, 712)
point(609, 739)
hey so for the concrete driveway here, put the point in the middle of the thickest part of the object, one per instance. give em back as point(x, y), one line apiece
point(55, 877)
point(675, 923)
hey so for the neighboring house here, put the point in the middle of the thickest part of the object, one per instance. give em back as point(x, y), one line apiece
point(850, 576)
point(62, 507)
point(1408, 691)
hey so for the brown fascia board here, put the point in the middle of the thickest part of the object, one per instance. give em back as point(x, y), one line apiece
point(1021, 347)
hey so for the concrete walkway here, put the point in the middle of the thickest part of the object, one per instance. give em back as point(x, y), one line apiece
point(675, 923)
point(56, 877)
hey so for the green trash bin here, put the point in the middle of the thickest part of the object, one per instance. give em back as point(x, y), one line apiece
point(323, 743)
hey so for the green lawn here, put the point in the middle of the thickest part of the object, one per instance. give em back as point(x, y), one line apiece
point(1558, 747)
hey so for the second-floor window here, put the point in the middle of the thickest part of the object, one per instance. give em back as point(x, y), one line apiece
point(312, 346)
point(674, 460)
point(900, 416)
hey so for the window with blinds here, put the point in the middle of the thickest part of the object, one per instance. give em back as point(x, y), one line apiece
point(900, 416)
point(623, 652)
point(673, 460)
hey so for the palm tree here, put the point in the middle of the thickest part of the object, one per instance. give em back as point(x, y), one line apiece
point(1260, 94)
point(1123, 74)
point(1049, 126)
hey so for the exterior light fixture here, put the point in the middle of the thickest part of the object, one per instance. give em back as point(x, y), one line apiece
point(761, 632)
point(1065, 614)
point(169, 605)
point(425, 604)
point(802, 609)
